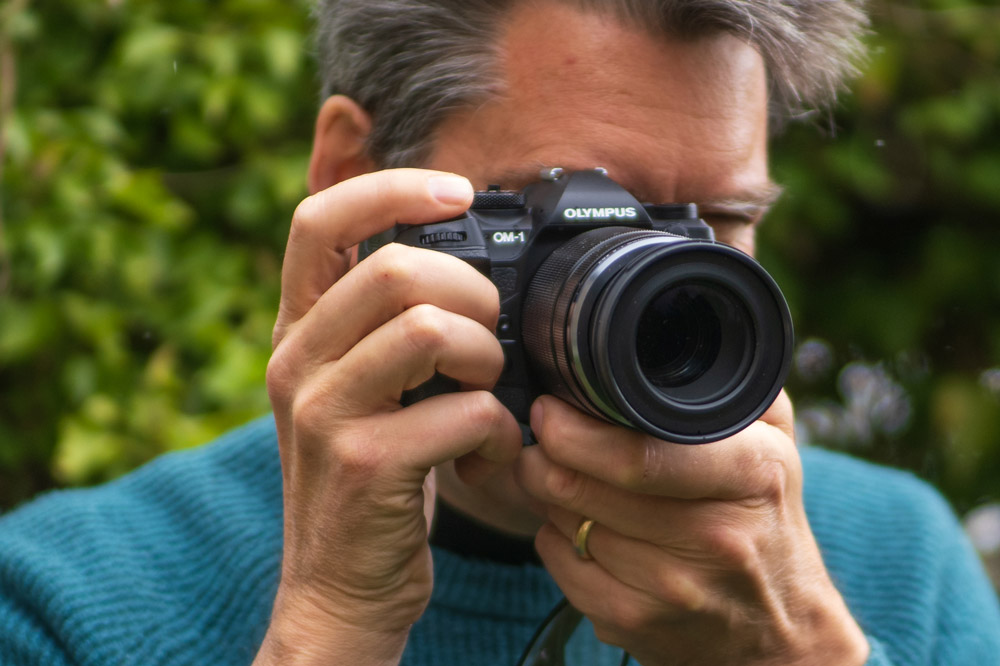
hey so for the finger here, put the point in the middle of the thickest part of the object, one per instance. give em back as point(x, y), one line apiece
point(444, 427)
point(754, 462)
point(781, 415)
point(662, 520)
point(381, 287)
point(617, 610)
point(401, 354)
point(328, 224)
point(474, 469)
point(406, 351)
point(708, 535)
point(405, 444)
point(639, 564)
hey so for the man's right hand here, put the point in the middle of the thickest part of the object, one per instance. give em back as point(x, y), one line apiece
point(358, 487)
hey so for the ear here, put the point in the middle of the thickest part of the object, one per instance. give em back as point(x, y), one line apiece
point(339, 153)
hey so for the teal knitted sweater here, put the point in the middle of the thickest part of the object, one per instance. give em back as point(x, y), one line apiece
point(177, 563)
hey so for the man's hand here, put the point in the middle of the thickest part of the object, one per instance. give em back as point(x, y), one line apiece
point(701, 554)
point(356, 572)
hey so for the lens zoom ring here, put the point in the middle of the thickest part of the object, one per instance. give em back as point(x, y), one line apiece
point(550, 295)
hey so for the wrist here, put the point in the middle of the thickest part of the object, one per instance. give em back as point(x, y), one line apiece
point(830, 634)
point(331, 646)
point(302, 634)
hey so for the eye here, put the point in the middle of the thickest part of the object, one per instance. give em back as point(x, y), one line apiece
point(736, 232)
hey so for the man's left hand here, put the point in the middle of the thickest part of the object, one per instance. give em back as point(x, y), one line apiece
point(701, 554)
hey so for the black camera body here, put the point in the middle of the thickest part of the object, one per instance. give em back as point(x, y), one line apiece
point(630, 311)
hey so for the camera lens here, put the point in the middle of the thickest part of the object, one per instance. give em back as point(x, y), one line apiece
point(688, 340)
point(694, 341)
point(679, 337)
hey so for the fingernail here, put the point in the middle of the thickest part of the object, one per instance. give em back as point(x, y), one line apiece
point(450, 189)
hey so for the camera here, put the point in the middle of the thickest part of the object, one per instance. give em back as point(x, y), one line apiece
point(630, 311)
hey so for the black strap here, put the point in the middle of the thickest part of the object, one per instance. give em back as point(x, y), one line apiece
point(464, 535)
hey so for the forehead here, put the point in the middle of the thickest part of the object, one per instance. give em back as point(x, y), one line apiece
point(668, 117)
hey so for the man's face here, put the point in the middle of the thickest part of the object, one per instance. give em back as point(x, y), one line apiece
point(672, 121)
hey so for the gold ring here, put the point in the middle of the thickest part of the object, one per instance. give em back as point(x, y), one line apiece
point(580, 538)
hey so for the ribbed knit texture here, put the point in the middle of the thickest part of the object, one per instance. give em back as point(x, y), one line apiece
point(177, 563)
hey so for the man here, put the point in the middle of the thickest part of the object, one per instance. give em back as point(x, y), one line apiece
point(744, 551)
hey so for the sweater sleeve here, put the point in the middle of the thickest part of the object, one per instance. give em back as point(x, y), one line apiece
point(967, 627)
point(175, 563)
point(24, 638)
point(899, 556)
point(966, 619)
point(878, 655)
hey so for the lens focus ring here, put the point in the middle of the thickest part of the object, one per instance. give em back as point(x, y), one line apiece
point(687, 340)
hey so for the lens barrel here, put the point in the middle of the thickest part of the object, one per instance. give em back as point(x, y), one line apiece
point(688, 340)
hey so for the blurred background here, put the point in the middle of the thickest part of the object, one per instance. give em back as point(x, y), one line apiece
point(152, 155)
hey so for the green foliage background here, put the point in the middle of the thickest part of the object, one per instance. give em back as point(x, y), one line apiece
point(153, 153)
point(888, 247)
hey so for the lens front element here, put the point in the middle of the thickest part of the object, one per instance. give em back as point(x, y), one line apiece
point(694, 341)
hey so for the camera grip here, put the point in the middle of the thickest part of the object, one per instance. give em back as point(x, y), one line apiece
point(436, 385)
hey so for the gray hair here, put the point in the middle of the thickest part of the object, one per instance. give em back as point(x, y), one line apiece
point(410, 63)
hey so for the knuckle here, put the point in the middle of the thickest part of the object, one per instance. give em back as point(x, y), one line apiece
point(631, 619)
point(281, 376)
point(770, 475)
point(304, 220)
point(677, 591)
point(358, 458)
point(734, 547)
point(663, 585)
point(565, 485)
point(424, 328)
point(310, 411)
point(346, 451)
point(555, 437)
point(635, 468)
point(483, 410)
point(640, 459)
point(391, 267)
point(775, 478)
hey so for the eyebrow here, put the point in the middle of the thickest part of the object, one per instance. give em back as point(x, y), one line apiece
point(749, 205)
